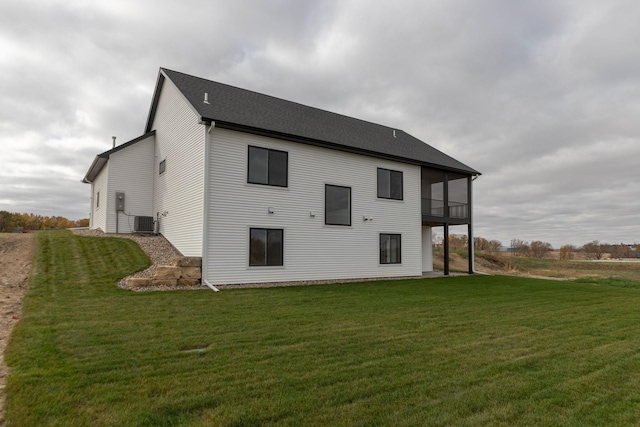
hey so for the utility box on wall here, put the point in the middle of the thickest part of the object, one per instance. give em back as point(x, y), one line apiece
point(119, 202)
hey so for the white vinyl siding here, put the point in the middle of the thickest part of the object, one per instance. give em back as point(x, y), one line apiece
point(312, 250)
point(99, 213)
point(131, 173)
point(179, 191)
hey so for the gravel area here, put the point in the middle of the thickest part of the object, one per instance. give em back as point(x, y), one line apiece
point(157, 248)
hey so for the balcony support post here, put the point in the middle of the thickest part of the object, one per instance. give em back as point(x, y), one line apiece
point(446, 248)
point(470, 225)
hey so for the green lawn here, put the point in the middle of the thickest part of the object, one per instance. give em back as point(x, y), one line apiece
point(457, 351)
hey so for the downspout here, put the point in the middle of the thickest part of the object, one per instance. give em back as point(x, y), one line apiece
point(205, 216)
point(91, 200)
point(213, 288)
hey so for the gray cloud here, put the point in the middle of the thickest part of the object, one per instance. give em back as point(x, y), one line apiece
point(542, 97)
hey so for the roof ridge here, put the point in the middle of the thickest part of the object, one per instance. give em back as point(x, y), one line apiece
point(284, 100)
point(246, 110)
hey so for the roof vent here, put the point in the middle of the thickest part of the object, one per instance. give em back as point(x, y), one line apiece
point(394, 133)
point(114, 141)
point(206, 98)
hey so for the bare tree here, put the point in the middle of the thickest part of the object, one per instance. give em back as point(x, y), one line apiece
point(494, 245)
point(620, 251)
point(594, 250)
point(458, 241)
point(480, 244)
point(539, 249)
point(566, 251)
point(520, 247)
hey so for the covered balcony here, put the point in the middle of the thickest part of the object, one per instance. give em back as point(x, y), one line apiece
point(446, 197)
point(446, 201)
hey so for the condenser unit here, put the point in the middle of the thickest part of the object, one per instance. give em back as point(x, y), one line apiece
point(143, 224)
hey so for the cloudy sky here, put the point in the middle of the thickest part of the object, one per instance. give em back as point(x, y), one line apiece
point(541, 96)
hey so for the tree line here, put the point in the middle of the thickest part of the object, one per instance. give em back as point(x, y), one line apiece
point(14, 221)
point(538, 249)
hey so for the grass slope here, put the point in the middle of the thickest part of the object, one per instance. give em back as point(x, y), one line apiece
point(459, 351)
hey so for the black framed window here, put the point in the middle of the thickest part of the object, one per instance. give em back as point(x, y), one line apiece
point(337, 205)
point(390, 249)
point(265, 246)
point(162, 167)
point(98, 199)
point(268, 167)
point(389, 184)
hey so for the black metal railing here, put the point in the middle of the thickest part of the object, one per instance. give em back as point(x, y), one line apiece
point(458, 210)
point(435, 207)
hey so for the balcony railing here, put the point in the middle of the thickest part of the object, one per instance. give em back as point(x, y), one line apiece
point(435, 207)
point(458, 210)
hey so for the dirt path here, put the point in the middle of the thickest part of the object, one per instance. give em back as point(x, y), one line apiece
point(16, 256)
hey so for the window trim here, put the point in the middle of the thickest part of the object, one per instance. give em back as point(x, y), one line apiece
point(391, 235)
point(269, 150)
point(391, 172)
point(350, 205)
point(281, 230)
point(162, 167)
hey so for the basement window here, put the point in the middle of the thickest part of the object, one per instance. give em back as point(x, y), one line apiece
point(390, 249)
point(265, 247)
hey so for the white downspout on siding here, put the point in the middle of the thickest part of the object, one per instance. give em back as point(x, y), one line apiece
point(91, 200)
point(205, 206)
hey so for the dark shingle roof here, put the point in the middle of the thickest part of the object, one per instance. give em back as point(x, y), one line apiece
point(234, 108)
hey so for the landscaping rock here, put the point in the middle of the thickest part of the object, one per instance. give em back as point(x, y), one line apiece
point(191, 273)
point(164, 282)
point(138, 282)
point(167, 272)
point(189, 261)
point(188, 282)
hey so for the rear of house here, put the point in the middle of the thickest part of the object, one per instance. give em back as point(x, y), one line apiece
point(266, 190)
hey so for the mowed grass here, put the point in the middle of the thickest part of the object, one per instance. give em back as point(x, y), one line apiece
point(454, 351)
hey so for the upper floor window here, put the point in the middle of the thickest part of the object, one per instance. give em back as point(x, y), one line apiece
point(98, 199)
point(268, 167)
point(162, 167)
point(389, 184)
point(337, 205)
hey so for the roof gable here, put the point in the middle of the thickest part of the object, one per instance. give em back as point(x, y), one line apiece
point(102, 158)
point(244, 110)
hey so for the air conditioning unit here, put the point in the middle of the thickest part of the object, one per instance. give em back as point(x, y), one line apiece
point(143, 224)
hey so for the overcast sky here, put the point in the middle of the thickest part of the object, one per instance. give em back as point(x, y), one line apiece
point(542, 97)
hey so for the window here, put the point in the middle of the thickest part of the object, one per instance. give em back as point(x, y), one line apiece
point(390, 249)
point(98, 199)
point(265, 246)
point(162, 167)
point(389, 184)
point(337, 205)
point(268, 167)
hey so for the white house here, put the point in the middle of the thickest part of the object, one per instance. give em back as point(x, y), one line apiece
point(268, 190)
